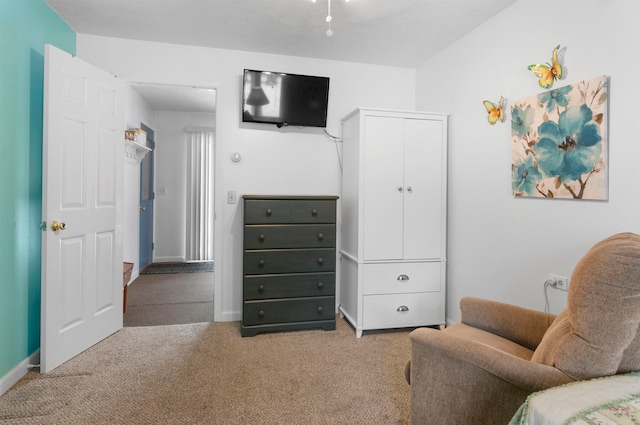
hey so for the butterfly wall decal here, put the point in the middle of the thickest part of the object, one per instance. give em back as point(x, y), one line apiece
point(496, 112)
point(549, 73)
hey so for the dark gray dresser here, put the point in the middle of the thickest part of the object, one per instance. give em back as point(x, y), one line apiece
point(289, 263)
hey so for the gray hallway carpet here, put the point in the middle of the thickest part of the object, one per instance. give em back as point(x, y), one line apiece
point(169, 299)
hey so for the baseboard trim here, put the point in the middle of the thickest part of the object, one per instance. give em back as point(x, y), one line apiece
point(134, 276)
point(168, 259)
point(10, 379)
point(229, 316)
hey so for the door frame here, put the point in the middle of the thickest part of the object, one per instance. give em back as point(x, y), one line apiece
point(219, 198)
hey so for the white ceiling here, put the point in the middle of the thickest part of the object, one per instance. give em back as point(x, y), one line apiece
point(385, 32)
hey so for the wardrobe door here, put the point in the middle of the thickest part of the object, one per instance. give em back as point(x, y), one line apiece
point(383, 188)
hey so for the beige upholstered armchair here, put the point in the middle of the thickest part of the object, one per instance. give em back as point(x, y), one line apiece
point(481, 370)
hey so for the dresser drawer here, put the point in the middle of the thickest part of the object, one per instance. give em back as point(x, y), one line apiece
point(290, 236)
point(288, 310)
point(266, 211)
point(257, 287)
point(393, 278)
point(402, 310)
point(289, 261)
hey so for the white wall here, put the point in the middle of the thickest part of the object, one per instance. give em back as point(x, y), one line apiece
point(275, 161)
point(171, 175)
point(503, 248)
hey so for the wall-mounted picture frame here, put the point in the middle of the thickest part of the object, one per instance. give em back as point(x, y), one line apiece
point(559, 142)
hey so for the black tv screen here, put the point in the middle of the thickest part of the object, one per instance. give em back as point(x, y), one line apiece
point(284, 99)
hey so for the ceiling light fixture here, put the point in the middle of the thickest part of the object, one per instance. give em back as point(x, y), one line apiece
point(329, 17)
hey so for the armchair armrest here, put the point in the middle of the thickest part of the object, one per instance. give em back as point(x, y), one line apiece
point(518, 324)
point(528, 376)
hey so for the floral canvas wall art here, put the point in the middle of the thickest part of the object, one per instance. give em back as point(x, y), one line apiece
point(559, 142)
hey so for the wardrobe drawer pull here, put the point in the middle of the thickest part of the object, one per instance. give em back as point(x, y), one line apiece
point(403, 277)
point(402, 309)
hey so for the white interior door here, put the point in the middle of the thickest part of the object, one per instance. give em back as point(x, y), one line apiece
point(83, 160)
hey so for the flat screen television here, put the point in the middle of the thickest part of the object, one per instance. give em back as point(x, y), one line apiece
point(284, 99)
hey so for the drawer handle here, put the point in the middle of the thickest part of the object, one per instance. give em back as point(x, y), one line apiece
point(320, 261)
point(320, 310)
point(261, 313)
point(261, 238)
point(268, 212)
point(403, 277)
point(320, 285)
point(314, 212)
point(261, 289)
point(261, 263)
point(320, 237)
point(402, 309)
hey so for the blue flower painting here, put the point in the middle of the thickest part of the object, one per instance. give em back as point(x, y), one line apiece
point(559, 142)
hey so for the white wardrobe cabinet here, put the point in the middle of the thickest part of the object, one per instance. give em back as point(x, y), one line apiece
point(393, 219)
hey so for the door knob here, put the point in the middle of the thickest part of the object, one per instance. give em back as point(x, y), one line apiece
point(57, 225)
point(142, 208)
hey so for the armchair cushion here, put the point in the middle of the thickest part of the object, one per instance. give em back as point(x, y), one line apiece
point(596, 335)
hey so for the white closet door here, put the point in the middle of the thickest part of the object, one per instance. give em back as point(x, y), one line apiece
point(383, 188)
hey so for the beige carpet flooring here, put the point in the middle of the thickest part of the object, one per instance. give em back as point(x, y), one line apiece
point(207, 374)
point(170, 299)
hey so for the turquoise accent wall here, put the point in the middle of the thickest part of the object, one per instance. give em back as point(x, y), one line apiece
point(25, 27)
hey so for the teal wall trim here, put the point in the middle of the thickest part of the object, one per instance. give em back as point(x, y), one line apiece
point(25, 27)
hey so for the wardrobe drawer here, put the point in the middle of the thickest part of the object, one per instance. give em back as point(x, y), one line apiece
point(258, 287)
point(393, 278)
point(402, 310)
point(288, 310)
point(289, 236)
point(289, 261)
point(265, 211)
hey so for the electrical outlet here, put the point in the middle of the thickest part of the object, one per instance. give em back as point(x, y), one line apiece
point(231, 197)
point(561, 282)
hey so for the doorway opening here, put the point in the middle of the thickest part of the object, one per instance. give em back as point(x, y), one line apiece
point(177, 286)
